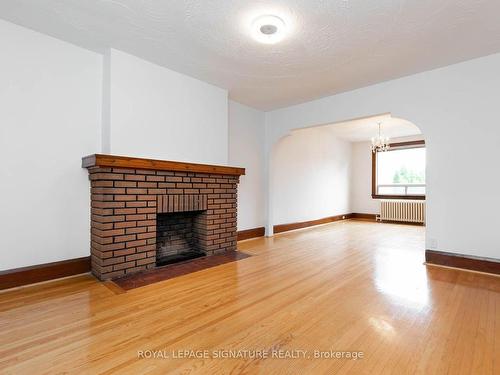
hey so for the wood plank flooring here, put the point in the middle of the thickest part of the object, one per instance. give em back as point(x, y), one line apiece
point(347, 286)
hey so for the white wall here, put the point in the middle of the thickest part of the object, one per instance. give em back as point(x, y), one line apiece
point(457, 109)
point(246, 149)
point(158, 113)
point(361, 180)
point(310, 172)
point(54, 98)
point(50, 98)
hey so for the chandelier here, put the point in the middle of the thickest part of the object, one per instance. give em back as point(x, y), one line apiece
point(379, 143)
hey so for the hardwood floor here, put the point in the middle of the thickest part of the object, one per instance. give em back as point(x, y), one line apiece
point(346, 286)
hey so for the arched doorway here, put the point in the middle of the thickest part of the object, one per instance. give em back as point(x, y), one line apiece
point(324, 171)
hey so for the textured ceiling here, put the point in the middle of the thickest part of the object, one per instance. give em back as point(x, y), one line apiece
point(333, 45)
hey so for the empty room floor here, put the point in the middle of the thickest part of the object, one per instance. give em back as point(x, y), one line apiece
point(350, 286)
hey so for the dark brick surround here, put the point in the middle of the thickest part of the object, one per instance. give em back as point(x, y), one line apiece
point(125, 203)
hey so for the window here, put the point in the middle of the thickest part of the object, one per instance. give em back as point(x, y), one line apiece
point(399, 172)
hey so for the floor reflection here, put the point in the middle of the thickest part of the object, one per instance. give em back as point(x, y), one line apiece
point(397, 277)
point(383, 327)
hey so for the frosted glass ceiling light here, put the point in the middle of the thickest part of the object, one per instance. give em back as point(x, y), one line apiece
point(268, 29)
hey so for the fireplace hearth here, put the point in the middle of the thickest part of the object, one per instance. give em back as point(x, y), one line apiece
point(148, 213)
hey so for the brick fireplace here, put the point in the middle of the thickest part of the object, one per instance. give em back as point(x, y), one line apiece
point(146, 213)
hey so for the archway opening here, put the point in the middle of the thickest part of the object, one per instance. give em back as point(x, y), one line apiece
point(326, 172)
point(329, 173)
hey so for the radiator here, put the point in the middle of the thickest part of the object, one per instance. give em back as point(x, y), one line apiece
point(402, 210)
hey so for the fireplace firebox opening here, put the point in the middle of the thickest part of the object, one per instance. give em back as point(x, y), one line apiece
point(178, 236)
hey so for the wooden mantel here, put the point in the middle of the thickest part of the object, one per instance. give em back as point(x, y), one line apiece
point(101, 160)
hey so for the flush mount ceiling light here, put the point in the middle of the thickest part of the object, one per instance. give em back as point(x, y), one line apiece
point(268, 29)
